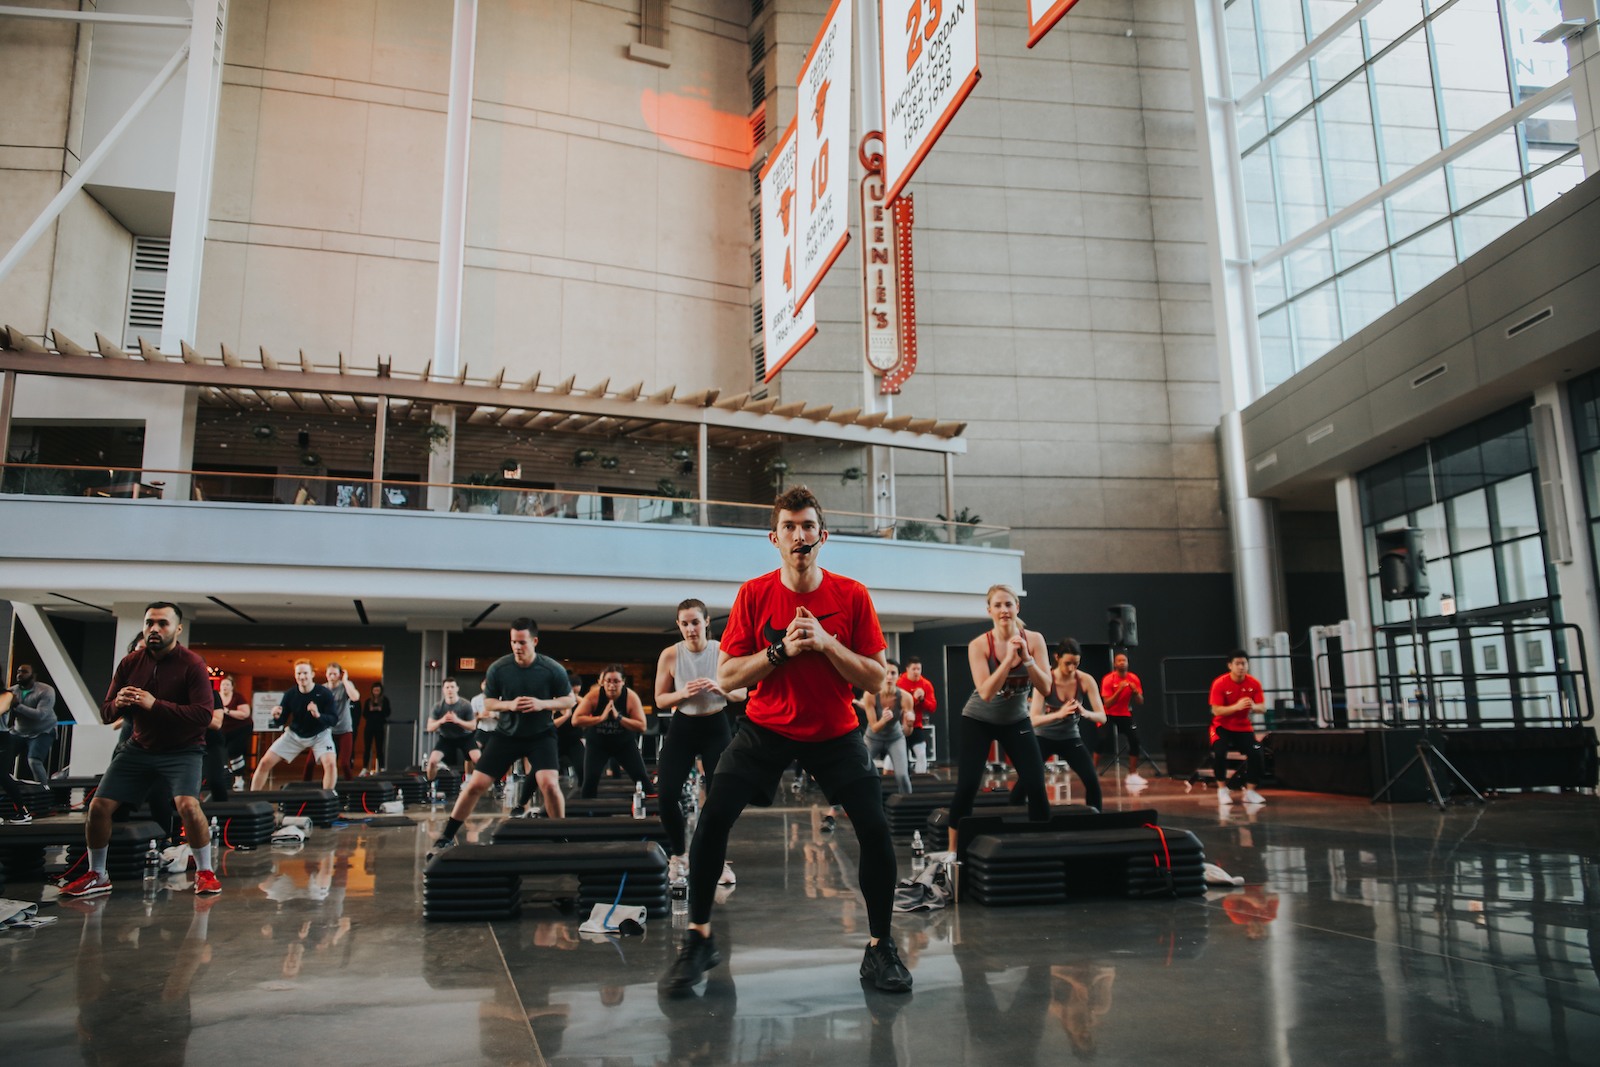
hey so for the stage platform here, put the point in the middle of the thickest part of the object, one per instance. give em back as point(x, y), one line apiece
point(1359, 762)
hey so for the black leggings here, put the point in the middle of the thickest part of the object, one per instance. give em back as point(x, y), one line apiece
point(1019, 742)
point(7, 782)
point(374, 743)
point(1240, 741)
point(704, 736)
point(218, 778)
point(862, 801)
point(1076, 753)
point(621, 747)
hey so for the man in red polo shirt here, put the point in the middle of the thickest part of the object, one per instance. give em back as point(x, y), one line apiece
point(798, 638)
point(1234, 696)
point(924, 703)
point(1119, 692)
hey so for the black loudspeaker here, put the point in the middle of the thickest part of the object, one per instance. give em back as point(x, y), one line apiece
point(1122, 626)
point(1402, 565)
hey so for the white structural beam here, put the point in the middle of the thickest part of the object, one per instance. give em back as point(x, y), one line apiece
point(91, 163)
point(453, 213)
point(111, 18)
point(191, 202)
point(1251, 521)
point(92, 740)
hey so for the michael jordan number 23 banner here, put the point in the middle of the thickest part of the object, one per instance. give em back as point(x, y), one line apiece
point(930, 64)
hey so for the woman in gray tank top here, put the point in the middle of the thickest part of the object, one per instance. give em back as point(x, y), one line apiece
point(889, 717)
point(1055, 713)
point(686, 685)
point(1008, 663)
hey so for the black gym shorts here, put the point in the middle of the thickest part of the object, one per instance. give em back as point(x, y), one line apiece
point(503, 751)
point(760, 756)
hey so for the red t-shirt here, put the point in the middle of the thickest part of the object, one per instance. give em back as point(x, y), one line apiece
point(1122, 704)
point(1225, 691)
point(804, 698)
point(927, 705)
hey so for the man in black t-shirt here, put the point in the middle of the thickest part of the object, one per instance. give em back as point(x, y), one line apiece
point(308, 716)
point(452, 723)
point(523, 689)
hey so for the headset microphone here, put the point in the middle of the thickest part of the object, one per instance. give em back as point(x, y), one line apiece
point(805, 550)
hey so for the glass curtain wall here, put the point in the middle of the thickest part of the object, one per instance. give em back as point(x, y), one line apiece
point(1379, 151)
point(1490, 620)
point(1585, 394)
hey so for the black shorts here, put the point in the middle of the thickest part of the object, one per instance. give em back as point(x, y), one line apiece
point(134, 771)
point(503, 751)
point(919, 736)
point(454, 749)
point(760, 756)
point(1107, 732)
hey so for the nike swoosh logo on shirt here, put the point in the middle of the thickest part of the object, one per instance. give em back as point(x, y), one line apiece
point(774, 634)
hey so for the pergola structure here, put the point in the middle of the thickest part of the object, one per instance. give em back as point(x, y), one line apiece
point(264, 383)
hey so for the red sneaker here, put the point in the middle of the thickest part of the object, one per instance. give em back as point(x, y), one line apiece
point(87, 885)
point(206, 883)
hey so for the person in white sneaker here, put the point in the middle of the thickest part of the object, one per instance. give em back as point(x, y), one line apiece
point(1234, 697)
point(308, 714)
point(686, 686)
point(1120, 692)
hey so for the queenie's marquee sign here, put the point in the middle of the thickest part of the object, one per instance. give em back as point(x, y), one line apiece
point(889, 319)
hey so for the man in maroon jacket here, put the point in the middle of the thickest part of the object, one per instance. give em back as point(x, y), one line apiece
point(166, 692)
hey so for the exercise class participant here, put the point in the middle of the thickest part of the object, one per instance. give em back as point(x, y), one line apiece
point(1233, 697)
point(1007, 662)
point(1120, 691)
point(925, 703)
point(346, 697)
point(523, 689)
point(611, 717)
point(802, 637)
point(375, 712)
point(452, 723)
point(889, 716)
point(236, 726)
point(1055, 714)
point(686, 684)
point(166, 692)
point(307, 715)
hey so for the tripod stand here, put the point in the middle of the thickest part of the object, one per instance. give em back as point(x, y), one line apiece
point(1427, 752)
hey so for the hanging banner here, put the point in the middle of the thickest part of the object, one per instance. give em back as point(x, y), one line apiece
point(930, 66)
point(784, 328)
point(823, 167)
point(1042, 15)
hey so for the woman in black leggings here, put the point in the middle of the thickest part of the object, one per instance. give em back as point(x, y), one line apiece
point(375, 713)
point(1008, 662)
point(1072, 695)
point(612, 718)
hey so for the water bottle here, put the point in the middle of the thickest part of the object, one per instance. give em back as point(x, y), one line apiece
point(680, 902)
point(152, 870)
point(216, 832)
point(433, 793)
point(638, 800)
point(919, 857)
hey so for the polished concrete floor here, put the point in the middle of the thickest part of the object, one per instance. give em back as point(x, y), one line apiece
point(1364, 933)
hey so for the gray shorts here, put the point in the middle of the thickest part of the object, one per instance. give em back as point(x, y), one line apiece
point(134, 771)
point(289, 745)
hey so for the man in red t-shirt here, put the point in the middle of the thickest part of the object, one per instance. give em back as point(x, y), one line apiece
point(1234, 696)
point(924, 704)
point(1119, 692)
point(798, 638)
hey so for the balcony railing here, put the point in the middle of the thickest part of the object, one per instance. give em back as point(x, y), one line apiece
point(504, 498)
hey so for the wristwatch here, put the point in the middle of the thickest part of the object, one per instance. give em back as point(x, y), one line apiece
point(776, 653)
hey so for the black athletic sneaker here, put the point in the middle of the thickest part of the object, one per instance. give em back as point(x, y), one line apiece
point(882, 966)
point(697, 956)
point(440, 845)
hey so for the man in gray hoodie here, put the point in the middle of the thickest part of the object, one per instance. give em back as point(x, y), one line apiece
point(33, 721)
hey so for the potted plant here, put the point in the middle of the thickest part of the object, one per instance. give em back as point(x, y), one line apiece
point(963, 524)
point(483, 496)
point(437, 434)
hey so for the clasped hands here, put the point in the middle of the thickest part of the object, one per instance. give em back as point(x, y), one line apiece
point(130, 695)
point(805, 634)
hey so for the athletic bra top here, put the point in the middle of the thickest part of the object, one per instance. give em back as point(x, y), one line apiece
point(1016, 682)
point(688, 666)
point(1010, 703)
point(890, 698)
point(1066, 729)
